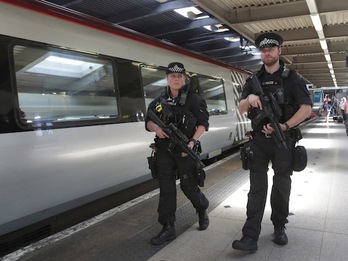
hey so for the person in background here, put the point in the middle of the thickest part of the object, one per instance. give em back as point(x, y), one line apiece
point(188, 111)
point(290, 92)
point(345, 113)
point(341, 108)
point(327, 110)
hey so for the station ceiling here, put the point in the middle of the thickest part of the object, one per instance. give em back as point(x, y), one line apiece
point(226, 30)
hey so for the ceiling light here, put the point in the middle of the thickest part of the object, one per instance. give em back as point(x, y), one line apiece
point(317, 22)
point(232, 39)
point(321, 34)
point(327, 57)
point(312, 6)
point(323, 44)
point(188, 12)
point(220, 28)
point(208, 27)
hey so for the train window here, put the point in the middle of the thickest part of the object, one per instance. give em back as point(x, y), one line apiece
point(213, 91)
point(58, 86)
point(154, 82)
point(131, 102)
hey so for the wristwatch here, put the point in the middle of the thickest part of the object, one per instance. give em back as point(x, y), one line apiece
point(194, 141)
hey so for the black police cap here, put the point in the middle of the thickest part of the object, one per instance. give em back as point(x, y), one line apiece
point(267, 40)
point(175, 67)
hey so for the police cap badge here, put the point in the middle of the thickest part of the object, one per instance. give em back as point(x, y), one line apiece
point(268, 40)
point(175, 67)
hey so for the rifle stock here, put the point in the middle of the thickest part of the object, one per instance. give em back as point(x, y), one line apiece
point(269, 111)
point(177, 137)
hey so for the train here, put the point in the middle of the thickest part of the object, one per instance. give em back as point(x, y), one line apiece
point(74, 93)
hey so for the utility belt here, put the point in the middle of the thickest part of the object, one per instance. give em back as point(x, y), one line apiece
point(294, 133)
point(299, 153)
point(167, 145)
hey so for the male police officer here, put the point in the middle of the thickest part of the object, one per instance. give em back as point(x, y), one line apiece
point(188, 111)
point(290, 93)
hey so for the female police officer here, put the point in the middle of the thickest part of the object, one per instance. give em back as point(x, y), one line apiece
point(290, 93)
point(188, 111)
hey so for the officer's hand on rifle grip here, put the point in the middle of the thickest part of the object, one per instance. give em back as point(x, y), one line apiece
point(268, 129)
point(191, 144)
point(254, 101)
point(157, 129)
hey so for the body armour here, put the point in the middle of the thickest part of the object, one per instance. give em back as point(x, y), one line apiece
point(282, 86)
point(175, 111)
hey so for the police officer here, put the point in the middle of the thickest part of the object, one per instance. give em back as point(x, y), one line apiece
point(188, 111)
point(290, 93)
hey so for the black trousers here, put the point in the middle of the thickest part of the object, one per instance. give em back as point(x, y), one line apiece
point(266, 150)
point(170, 166)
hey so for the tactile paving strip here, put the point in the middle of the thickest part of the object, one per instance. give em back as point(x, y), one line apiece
point(139, 248)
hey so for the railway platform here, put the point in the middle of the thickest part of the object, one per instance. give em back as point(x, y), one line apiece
point(317, 228)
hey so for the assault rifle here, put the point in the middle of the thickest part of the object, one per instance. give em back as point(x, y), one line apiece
point(270, 110)
point(178, 138)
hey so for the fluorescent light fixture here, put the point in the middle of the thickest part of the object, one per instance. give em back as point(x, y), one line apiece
point(312, 6)
point(188, 11)
point(232, 39)
point(208, 27)
point(321, 34)
point(216, 28)
point(315, 17)
point(327, 57)
point(65, 67)
point(220, 28)
point(202, 17)
point(317, 22)
point(323, 44)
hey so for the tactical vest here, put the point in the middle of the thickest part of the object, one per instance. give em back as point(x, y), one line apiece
point(282, 95)
point(175, 111)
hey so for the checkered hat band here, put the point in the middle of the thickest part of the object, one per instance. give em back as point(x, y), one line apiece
point(268, 42)
point(176, 69)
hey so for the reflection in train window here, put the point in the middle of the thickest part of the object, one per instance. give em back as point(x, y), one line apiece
point(154, 82)
point(213, 91)
point(58, 86)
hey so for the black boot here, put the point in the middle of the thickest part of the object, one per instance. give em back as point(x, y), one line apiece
point(245, 244)
point(280, 237)
point(203, 220)
point(167, 234)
